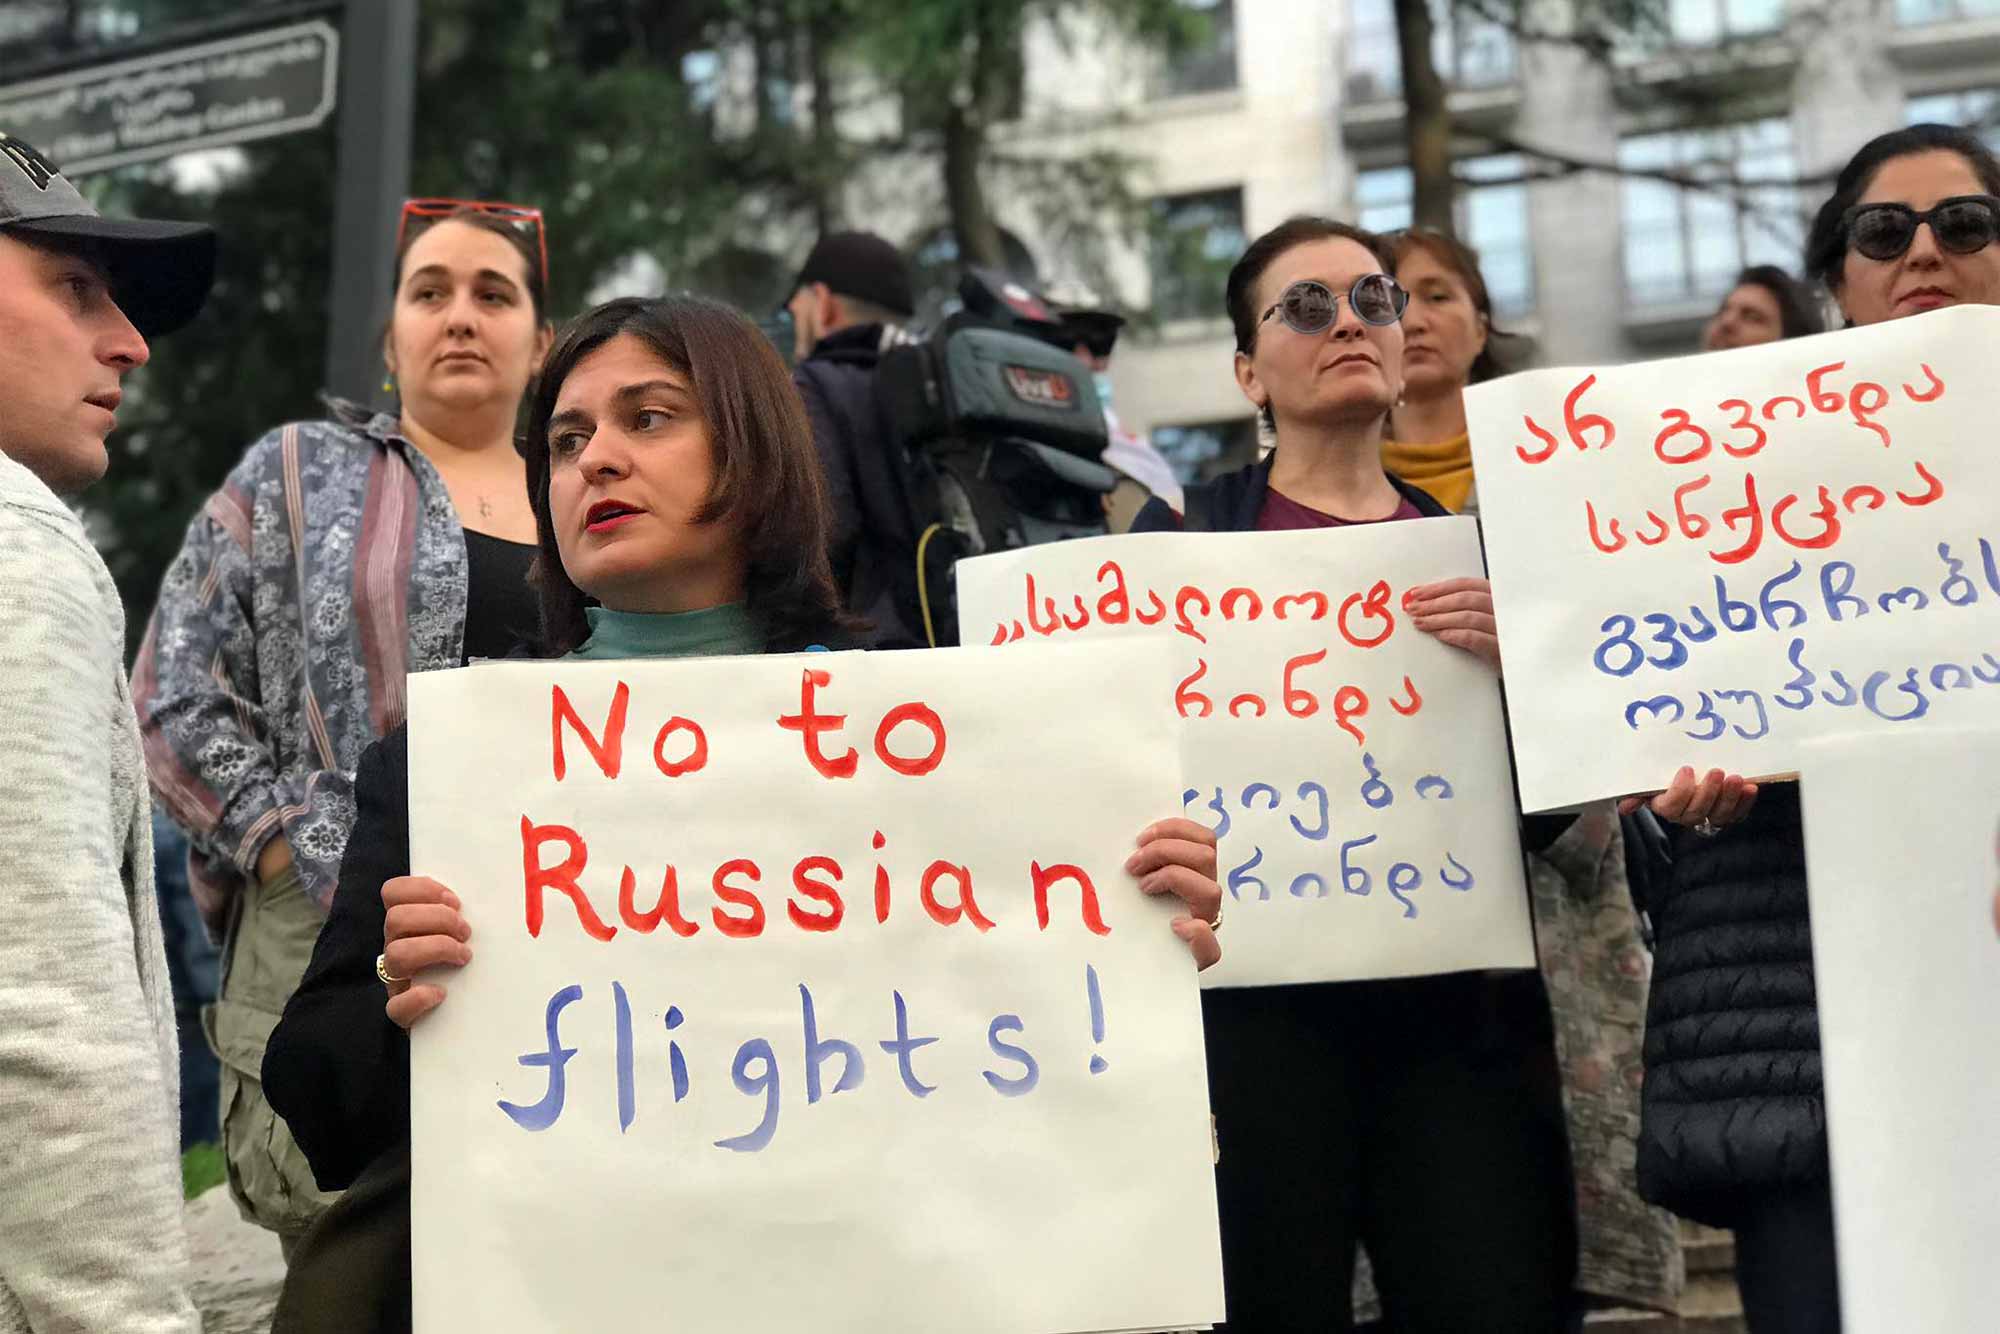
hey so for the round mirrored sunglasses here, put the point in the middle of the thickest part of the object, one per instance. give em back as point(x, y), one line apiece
point(1310, 307)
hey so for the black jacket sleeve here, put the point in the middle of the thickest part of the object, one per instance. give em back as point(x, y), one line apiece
point(837, 465)
point(1156, 516)
point(337, 1067)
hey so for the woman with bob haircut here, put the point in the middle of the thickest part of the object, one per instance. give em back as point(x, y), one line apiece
point(1594, 963)
point(1419, 1116)
point(680, 512)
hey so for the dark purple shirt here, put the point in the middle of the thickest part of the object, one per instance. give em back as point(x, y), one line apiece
point(1282, 513)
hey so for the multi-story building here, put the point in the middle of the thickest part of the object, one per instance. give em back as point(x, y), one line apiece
point(1295, 106)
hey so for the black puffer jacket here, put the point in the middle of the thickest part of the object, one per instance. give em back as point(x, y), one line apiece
point(1732, 1103)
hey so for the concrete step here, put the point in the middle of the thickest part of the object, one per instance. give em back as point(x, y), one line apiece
point(1708, 1250)
point(1709, 1305)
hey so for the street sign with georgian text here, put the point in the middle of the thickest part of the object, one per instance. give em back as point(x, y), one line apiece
point(221, 92)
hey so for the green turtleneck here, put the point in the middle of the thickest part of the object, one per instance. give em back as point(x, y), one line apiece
point(711, 632)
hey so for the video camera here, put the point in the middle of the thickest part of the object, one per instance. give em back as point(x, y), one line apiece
point(1003, 433)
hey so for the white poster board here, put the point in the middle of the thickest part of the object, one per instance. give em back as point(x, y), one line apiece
point(1355, 768)
point(1900, 852)
point(1706, 561)
point(853, 1070)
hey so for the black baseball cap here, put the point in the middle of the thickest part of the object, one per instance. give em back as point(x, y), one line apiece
point(160, 272)
point(861, 265)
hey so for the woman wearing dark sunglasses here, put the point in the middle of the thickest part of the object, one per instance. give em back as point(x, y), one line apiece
point(1733, 1129)
point(1421, 1117)
point(339, 556)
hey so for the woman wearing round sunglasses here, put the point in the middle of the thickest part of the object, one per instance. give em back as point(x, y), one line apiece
point(1733, 1129)
point(1421, 1117)
point(337, 557)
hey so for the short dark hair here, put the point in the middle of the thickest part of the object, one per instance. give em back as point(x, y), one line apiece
point(509, 231)
point(1265, 250)
point(1826, 244)
point(767, 474)
point(1463, 262)
point(1798, 315)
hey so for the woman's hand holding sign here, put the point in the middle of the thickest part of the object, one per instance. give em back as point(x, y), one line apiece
point(1458, 612)
point(1705, 806)
point(422, 928)
point(1177, 857)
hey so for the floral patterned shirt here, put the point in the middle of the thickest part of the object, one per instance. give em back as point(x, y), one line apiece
point(329, 566)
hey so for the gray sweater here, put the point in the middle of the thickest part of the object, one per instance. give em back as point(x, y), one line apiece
point(91, 1226)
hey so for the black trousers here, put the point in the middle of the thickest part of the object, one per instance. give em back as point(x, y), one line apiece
point(1422, 1117)
point(1785, 1265)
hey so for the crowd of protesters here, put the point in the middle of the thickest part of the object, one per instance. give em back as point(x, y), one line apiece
point(1462, 1152)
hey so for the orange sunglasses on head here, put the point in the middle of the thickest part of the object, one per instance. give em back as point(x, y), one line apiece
point(441, 208)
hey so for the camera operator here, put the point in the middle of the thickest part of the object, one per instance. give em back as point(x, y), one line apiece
point(848, 306)
point(1090, 333)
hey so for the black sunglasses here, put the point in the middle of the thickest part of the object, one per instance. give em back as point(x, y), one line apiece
point(1962, 224)
point(1310, 307)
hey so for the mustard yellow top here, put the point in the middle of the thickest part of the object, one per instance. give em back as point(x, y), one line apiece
point(1443, 469)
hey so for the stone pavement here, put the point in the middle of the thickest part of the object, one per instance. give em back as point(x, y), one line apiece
point(237, 1266)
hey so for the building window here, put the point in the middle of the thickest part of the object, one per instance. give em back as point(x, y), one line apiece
point(1205, 451)
point(1469, 52)
point(1914, 13)
point(1209, 66)
point(1196, 238)
point(1685, 244)
point(1491, 218)
point(1693, 23)
point(1706, 22)
point(1977, 109)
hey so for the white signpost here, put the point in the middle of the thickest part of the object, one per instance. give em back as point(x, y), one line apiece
point(1901, 836)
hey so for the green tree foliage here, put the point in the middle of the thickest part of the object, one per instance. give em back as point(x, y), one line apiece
point(626, 122)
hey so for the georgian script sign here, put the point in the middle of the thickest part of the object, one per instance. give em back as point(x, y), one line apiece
point(1708, 560)
point(1900, 850)
point(1353, 768)
point(217, 93)
point(807, 993)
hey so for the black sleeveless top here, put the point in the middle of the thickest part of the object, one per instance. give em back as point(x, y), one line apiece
point(502, 614)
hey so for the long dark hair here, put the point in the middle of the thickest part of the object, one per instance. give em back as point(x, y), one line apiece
point(1462, 261)
point(767, 476)
point(1826, 244)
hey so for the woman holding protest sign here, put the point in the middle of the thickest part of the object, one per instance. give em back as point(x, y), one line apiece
point(1586, 930)
point(1421, 1116)
point(1734, 1128)
point(338, 556)
point(680, 512)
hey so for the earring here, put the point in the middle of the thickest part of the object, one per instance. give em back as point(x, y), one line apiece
point(389, 384)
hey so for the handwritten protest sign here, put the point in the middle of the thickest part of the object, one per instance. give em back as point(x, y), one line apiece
point(1354, 768)
point(1708, 560)
point(807, 993)
point(1900, 851)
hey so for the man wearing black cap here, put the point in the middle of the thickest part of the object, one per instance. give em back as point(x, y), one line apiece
point(847, 307)
point(91, 1233)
